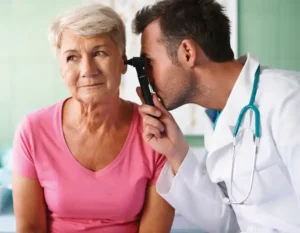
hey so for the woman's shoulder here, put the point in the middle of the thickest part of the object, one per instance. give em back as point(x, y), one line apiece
point(137, 132)
point(137, 119)
point(46, 112)
point(41, 117)
point(141, 152)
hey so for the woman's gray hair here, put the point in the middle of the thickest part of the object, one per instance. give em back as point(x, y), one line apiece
point(89, 20)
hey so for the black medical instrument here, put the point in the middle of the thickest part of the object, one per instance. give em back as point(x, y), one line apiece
point(139, 64)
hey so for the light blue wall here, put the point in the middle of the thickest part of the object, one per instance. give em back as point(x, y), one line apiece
point(270, 29)
point(29, 72)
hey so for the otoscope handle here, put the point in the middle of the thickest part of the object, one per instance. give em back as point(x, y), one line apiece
point(145, 90)
point(139, 64)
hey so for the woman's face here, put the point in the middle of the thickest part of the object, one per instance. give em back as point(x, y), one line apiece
point(91, 67)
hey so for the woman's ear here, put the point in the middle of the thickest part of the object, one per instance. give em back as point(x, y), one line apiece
point(124, 66)
point(187, 53)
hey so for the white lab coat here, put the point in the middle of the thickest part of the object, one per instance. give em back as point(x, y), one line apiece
point(274, 203)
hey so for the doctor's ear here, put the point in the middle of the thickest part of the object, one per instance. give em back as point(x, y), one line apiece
point(187, 52)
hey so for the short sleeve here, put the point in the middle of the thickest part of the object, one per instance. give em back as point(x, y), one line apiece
point(159, 163)
point(23, 163)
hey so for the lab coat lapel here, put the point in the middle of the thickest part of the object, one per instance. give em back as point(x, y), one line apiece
point(208, 121)
point(223, 134)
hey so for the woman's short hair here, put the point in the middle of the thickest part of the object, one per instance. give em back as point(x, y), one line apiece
point(89, 20)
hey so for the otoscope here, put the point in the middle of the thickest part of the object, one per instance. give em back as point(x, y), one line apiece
point(139, 64)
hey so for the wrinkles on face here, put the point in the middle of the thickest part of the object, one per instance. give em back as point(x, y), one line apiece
point(91, 67)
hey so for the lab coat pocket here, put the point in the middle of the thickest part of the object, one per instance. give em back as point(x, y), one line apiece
point(269, 184)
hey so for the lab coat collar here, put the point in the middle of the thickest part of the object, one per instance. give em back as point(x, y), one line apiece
point(239, 97)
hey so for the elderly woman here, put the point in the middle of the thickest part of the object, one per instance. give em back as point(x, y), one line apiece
point(81, 165)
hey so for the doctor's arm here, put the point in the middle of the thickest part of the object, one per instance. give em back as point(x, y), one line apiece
point(196, 197)
point(286, 131)
point(184, 181)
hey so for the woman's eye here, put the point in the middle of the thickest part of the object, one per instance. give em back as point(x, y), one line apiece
point(71, 58)
point(100, 53)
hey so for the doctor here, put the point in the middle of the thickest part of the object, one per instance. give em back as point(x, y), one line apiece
point(249, 180)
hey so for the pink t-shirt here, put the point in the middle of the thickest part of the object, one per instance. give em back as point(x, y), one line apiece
point(79, 200)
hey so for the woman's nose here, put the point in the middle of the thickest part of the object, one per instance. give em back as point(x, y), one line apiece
point(89, 68)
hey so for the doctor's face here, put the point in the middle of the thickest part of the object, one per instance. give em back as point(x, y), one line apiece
point(171, 82)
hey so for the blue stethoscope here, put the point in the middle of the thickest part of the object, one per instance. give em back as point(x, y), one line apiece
point(250, 106)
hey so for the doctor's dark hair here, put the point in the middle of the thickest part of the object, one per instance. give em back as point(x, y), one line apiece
point(203, 21)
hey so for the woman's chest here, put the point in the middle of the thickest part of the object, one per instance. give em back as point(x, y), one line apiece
point(95, 152)
point(114, 195)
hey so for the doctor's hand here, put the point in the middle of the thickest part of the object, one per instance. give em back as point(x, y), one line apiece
point(162, 132)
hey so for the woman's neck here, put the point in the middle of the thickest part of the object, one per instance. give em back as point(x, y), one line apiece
point(99, 117)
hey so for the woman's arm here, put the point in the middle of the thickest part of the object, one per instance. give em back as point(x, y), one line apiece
point(29, 205)
point(157, 214)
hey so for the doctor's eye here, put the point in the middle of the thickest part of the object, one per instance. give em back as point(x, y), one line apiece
point(148, 63)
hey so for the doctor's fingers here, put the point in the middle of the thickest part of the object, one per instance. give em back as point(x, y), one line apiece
point(158, 104)
point(155, 122)
point(158, 110)
point(139, 93)
point(151, 131)
point(166, 117)
point(149, 110)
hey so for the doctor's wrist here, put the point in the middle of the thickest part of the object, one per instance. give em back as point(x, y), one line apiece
point(177, 157)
